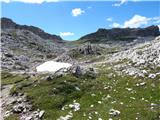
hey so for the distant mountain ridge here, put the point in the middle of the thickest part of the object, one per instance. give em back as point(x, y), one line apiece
point(101, 35)
point(7, 23)
point(121, 34)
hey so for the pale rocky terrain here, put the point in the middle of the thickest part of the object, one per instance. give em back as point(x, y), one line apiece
point(143, 59)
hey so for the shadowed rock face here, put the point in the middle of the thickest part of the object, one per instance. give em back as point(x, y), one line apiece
point(9, 24)
point(122, 33)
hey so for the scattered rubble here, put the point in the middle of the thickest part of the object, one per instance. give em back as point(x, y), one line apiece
point(75, 106)
point(136, 59)
point(67, 117)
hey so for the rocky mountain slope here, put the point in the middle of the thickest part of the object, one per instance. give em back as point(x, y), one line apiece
point(117, 79)
point(24, 46)
point(143, 60)
point(7, 23)
point(27, 46)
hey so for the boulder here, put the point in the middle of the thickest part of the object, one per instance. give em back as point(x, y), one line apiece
point(80, 71)
point(77, 71)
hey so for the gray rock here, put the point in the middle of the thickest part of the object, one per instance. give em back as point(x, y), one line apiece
point(8, 55)
point(18, 108)
point(77, 71)
point(48, 77)
point(29, 118)
point(114, 112)
point(41, 113)
point(152, 76)
point(80, 71)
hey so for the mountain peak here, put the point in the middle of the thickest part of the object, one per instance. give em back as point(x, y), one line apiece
point(7, 23)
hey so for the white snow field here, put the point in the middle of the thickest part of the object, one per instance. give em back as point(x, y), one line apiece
point(52, 66)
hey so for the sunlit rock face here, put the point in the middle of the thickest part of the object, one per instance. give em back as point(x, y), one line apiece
point(51, 66)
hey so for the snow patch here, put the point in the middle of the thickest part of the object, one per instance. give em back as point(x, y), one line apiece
point(52, 66)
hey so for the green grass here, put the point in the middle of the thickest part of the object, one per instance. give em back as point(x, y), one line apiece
point(12, 117)
point(52, 95)
point(8, 78)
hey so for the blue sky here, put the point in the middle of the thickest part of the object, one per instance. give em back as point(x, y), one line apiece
point(72, 20)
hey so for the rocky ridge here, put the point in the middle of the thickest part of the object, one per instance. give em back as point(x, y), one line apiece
point(121, 34)
point(7, 23)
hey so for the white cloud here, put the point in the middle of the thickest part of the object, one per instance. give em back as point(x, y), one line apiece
point(77, 12)
point(116, 25)
point(156, 19)
point(119, 4)
point(136, 21)
point(65, 34)
point(29, 1)
point(110, 19)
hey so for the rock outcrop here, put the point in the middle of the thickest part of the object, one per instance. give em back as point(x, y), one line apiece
point(87, 49)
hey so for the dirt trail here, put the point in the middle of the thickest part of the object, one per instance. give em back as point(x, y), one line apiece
point(5, 98)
